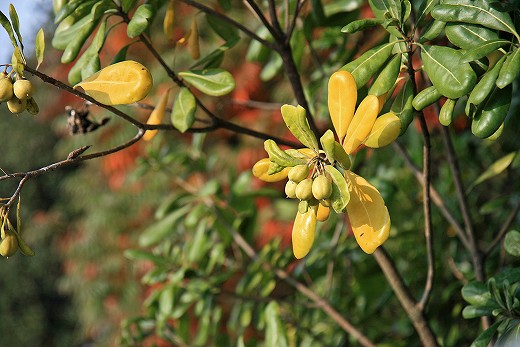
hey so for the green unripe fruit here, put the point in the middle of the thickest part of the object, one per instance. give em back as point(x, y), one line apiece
point(6, 89)
point(304, 189)
point(321, 187)
point(290, 189)
point(16, 105)
point(23, 89)
point(9, 245)
point(298, 173)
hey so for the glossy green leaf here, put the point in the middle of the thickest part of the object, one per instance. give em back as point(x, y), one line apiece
point(446, 112)
point(8, 28)
point(140, 20)
point(402, 105)
point(295, 119)
point(474, 12)
point(512, 243)
point(387, 78)
point(425, 98)
point(432, 31)
point(222, 28)
point(39, 47)
point(425, 9)
point(487, 120)
point(476, 311)
point(340, 194)
point(476, 294)
point(361, 24)
point(16, 24)
point(485, 337)
point(74, 8)
point(467, 36)
point(483, 50)
point(183, 112)
point(385, 9)
point(494, 169)
point(368, 63)
point(510, 69)
point(215, 82)
point(162, 228)
point(484, 87)
point(448, 74)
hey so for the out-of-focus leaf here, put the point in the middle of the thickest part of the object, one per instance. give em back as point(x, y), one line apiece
point(274, 331)
point(128, 5)
point(16, 24)
point(222, 28)
point(485, 337)
point(494, 169)
point(512, 243)
point(214, 59)
point(8, 28)
point(361, 24)
point(39, 47)
point(215, 82)
point(476, 294)
point(162, 228)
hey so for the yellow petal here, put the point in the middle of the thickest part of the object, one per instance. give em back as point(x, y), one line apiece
point(385, 130)
point(367, 213)
point(262, 166)
point(121, 83)
point(193, 43)
point(362, 123)
point(303, 232)
point(156, 116)
point(342, 101)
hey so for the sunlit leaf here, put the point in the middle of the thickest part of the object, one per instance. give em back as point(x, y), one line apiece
point(340, 196)
point(362, 123)
point(367, 213)
point(342, 98)
point(215, 82)
point(494, 169)
point(122, 83)
point(295, 119)
point(40, 47)
point(385, 130)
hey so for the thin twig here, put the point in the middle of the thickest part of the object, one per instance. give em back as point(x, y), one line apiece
point(503, 230)
point(274, 18)
point(227, 19)
point(402, 293)
point(253, 7)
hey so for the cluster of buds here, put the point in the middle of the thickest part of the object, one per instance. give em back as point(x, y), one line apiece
point(17, 94)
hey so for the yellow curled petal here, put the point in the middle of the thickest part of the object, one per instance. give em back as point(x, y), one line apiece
point(367, 213)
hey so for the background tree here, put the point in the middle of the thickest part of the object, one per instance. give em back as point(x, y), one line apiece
point(210, 242)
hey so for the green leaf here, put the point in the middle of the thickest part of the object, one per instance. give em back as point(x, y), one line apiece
point(485, 337)
point(387, 78)
point(476, 294)
point(433, 31)
point(512, 243)
point(484, 87)
point(425, 9)
point(39, 47)
point(274, 330)
point(448, 74)
point(135, 254)
point(128, 5)
point(215, 82)
point(8, 28)
point(467, 36)
point(386, 9)
point(402, 105)
point(510, 69)
point(214, 59)
point(17, 61)
point(361, 24)
point(280, 157)
point(341, 156)
point(141, 20)
point(510, 337)
point(489, 118)
point(183, 112)
point(296, 120)
point(425, 98)
point(340, 194)
point(327, 143)
point(473, 311)
point(222, 28)
point(494, 169)
point(483, 50)
point(368, 63)
point(474, 12)
point(16, 24)
point(164, 227)
point(78, 9)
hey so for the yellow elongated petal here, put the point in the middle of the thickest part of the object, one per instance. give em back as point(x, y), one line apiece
point(156, 116)
point(193, 43)
point(262, 166)
point(303, 232)
point(362, 123)
point(367, 213)
point(342, 101)
point(125, 82)
point(385, 130)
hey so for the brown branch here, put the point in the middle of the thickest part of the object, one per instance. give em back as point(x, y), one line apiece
point(414, 312)
point(503, 230)
point(260, 15)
